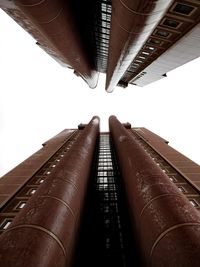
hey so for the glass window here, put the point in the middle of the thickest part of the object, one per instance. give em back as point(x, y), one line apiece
point(172, 178)
point(5, 224)
point(183, 9)
point(171, 23)
point(142, 57)
point(20, 205)
point(102, 173)
point(162, 33)
point(107, 243)
point(32, 191)
point(193, 202)
point(154, 41)
point(140, 61)
point(145, 53)
point(133, 67)
point(150, 48)
point(182, 189)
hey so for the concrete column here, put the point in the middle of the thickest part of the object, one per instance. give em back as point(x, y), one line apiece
point(44, 232)
point(166, 224)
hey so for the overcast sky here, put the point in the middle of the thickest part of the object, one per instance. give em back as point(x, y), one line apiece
point(39, 98)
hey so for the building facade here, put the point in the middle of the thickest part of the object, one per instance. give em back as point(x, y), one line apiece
point(133, 42)
point(122, 198)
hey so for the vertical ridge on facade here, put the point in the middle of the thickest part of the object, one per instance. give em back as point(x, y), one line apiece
point(45, 227)
point(144, 181)
point(125, 197)
point(132, 42)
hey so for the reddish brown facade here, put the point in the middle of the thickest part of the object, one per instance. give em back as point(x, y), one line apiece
point(126, 197)
point(47, 226)
point(189, 169)
point(133, 42)
point(19, 176)
point(167, 225)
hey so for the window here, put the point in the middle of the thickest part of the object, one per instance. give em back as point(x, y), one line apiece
point(150, 48)
point(142, 57)
point(172, 178)
point(162, 33)
point(154, 41)
point(102, 186)
point(145, 53)
point(182, 189)
point(107, 222)
point(20, 205)
point(106, 209)
point(171, 23)
point(110, 173)
point(6, 223)
point(112, 187)
point(140, 61)
point(183, 9)
point(102, 173)
point(106, 196)
point(107, 243)
point(32, 191)
point(193, 202)
point(133, 67)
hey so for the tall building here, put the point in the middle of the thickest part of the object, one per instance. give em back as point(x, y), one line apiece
point(133, 42)
point(117, 198)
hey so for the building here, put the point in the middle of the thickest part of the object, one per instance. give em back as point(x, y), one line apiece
point(118, 198)
point(133, 42)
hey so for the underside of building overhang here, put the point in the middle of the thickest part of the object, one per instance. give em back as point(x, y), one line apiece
point(132, 42)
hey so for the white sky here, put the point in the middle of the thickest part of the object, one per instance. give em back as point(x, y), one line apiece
point(39, 98)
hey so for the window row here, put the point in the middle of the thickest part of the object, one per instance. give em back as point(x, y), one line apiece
point(182, 185)
point(20, 200)
point(168, 31)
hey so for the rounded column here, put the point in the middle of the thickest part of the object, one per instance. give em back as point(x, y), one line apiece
point(44, 232)
point(166, 224)
point(131, 25)
point(55, 21)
